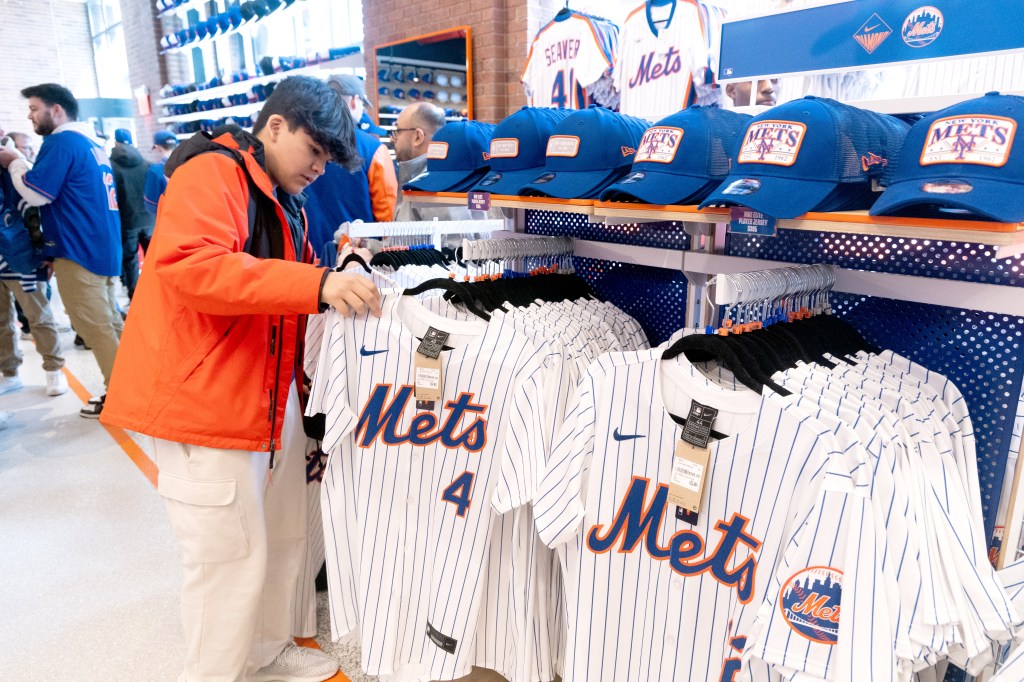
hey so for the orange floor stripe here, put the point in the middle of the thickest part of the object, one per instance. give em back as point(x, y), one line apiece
point(149, 470)
point(120, 436)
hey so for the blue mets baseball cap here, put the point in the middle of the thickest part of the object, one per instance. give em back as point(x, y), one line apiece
point(681, 158)
point(457, 158)
point(961, 160)
point(367, 125)
point(811, 154)
point(517, 149)
point(123, 135)
point(589, 150)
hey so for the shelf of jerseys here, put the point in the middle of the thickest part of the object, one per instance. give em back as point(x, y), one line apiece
point(660, 61)
point(811, 154)
point(522, 522)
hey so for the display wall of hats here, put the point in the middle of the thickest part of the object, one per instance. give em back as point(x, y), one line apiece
point(246, 89)
point(400, 84)
point(220, 24)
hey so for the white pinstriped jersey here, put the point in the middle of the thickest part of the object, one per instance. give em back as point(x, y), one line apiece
point(654, 71)
point(406, 494)
point(650, 597)
point(566, 57)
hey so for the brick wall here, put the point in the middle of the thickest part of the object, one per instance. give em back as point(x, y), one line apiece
point(142, 33)
point(43, 41)
point(501, 32)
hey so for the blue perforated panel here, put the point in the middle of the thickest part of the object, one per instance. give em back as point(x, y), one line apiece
point(666, 235)
point(900, 255)
point(979, 352)
point(654, 296)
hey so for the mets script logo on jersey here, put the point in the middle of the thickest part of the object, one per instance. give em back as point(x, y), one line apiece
point(810, 603)
point(980, 140)
point(437, 150)
point(504, 148)
point(652, 67)
point(872, 33)
point(659, 145)
point(774, 142)
point(381, 417)
point(922, 26)
point(639, 521)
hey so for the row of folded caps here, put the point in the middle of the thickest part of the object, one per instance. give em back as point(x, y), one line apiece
point(811, 154)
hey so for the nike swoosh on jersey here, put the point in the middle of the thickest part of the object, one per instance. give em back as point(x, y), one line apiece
point(621, 437)
point(367, 353)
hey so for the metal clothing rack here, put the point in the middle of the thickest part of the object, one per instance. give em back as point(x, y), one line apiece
point(435, 229)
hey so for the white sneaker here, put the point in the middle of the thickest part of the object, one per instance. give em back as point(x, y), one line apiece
point(56, 384)
point(298, 664)
point(8, 384)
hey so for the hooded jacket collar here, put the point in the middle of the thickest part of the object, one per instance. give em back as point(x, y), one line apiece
point(82, 128)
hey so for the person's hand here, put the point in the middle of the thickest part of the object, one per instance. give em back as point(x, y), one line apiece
point(48, 264)
point(349, 249)
point(6, 156)
point(350, 294)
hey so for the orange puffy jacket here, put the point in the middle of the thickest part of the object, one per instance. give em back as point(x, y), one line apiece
point(214, 333)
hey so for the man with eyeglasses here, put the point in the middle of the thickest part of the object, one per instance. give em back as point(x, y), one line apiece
point(368, 194)
point(414, 129)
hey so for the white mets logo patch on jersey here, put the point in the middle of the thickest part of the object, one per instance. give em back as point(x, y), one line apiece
point(437, 150)
point(774, 142)
point(563, 145)
point(810, 600)
point(979, 140)
point(504, 148)
point(659, 145)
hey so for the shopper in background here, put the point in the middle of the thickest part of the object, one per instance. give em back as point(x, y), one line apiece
point(767, 93)
point(208, 365)
point(130, 172)
point(28, 289)
point(414, 129)
point(23, 143)
point(74, 184)
point(165, 142)
point(368, 194)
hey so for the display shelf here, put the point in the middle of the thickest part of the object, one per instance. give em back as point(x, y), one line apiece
point(244, 27)
point(447, 118)
point(581, 206)
point(352, 61)
point(402, 61)
point(241, 110)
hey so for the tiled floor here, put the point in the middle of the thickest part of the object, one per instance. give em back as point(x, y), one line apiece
point(91, 572)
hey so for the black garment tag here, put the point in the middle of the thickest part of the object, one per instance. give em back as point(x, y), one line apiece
point(698, 424)
point(687, 516)
point(443, 642)
point(432, 343)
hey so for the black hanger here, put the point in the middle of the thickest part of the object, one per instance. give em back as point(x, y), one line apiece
point(564, 13)
point(459, 291)
point(735, 358)
point(353, 258)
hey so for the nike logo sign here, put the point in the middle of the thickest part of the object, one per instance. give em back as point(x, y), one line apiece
point(620, 437)
point(367, 353)
point(869, 29)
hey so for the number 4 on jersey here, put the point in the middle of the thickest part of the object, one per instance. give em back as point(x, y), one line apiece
point(459, 493)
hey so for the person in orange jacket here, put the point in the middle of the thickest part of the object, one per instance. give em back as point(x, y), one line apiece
point(210, 366)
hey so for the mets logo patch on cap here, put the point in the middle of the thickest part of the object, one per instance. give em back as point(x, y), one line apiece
point(774, 142)
point(563, 145)
point(809, 601)
point(659, 145)
point(504, 148)
point(437, 150)
point(980, 140)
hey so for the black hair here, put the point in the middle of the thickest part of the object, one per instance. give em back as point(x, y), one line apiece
point(311, 104)
point(52, 93)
